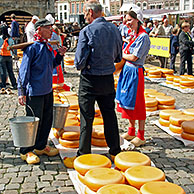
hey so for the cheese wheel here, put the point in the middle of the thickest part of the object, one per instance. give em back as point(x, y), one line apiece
point(71, 122)
point(169, 82)
point(175, 129)
point(154, 76)
point(73, 101)
point(98, 142)
point(154, 95)
point(125, 160)
point(57, 132)
point(139, 175)
point(167, 71)
point(161, 187)
point(71, 116)
point(150, 102)
point(155, 72)
point(187, 76)
point(186, 87)
point(176, 79)
point(68, 143)
point(189, 111)
point(150, 91)
point(186, 82)
point(70, 135)
point(67, 93)
point(187, 136)
point(178, 119)
point(86, 162)
point(170, 77)
point(188, 127)
point(98, 132)
point(89, 191)
point(162, 106)
point(165, 114)
point(166, 100)
point(164, 122)
point(117, 189)
point(176, 84)
point(81, 177)
point(98, 177)
point(150, 109)
point(98, 121)
point(72, 128)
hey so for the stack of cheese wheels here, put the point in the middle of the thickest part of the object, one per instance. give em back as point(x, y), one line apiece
point(71, 120)
point(67, 93)
point(139, 175)
point(70, 137)
point(165, 102)
point(117, 189)
point(186, 83)
point(155, 73)
point(98, 138)
point(166, 72)
point(189, 111)
point(165, 115)
point(125, 160)
point(161, 187)
point(176, 121)
point(151, 104)
point(188, 130)
point(58, 87)
point(72, 100)
point(96, 178)
point(169, 79)
point(116, 79)
point(176, 81)
point(57, 132)
point(154, 95)
point(149, 91)
point(146, 72)
point(69, 61)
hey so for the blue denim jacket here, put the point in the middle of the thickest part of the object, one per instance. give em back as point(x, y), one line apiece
point(99, 46)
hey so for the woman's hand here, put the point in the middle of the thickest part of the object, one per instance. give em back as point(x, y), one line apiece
point(22, 100)
point(62, 50)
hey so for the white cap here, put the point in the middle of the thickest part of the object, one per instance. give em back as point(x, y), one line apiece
point(35, 17)
point(138, 11)
point(50, 18)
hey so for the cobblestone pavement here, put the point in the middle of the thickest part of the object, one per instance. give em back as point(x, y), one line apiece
point(50, 176)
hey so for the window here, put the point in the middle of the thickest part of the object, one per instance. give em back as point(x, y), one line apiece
point(61, 16)
point(65, 15)
point(139, 4)
point(65, 7)
point(60, 7)
point(159, 6)
point(73, 8)
point(82, 6)
point(77, 8)
point(186, 4)
point(152, 6)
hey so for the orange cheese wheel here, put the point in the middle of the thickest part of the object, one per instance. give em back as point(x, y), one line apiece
point(150, 102)
point(71, 116)
point(70, 135)
point(187, 136)
point(176, 79)
point(72, 128)
point(57, 132)
point(167, 71)
point(161, 187)
point(165, 114)
point(186, 82)
point(117, 189)
point(164, 122)
point(189, 111)
point(187, 76)
point(98, 132)
point(166, 100)
point(67, 93)
point(86, 162)
point(71, 122)
point(150, 109)
point(176, 84)
point(89, 191)
point(98, 121)
point(69, 143)
point(162, 106)
point(146, 91)
point(154, 72)
point(186, 87)
point(154, 76)
point(154, 95)
point(139, 175)
point(175, 129)
point(170, 77)
point(125, 160)
point(73, 101)
point(99, 177)
point(98, 142)
point(81, 177)
point(178, 119)
point(188, 127)
point(169, 82)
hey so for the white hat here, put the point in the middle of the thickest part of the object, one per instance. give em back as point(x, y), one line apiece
point(138, 11)
point(50, 18)
point(35, 17)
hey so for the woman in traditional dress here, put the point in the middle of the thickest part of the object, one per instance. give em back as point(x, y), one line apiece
point(130, 89)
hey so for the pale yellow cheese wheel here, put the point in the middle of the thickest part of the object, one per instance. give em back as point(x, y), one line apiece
point(69, 143)
point(166, 100)
point(176, 84)
point(176, 79)
point(161, 187)
point(165, 114)
point(175, 129)
point(154, 95)
point(89, 191)
point(73, 101)
point(125, 160)
point(188, 127)
point(99, 177)
point(86, 162)
point(169, 82)
point(178, 119)
point(186, 87)
point(98, 121)
point(117, 189)
point(167, 71)
point(154, 72)
point(149, 91)
point(186, 82)
point(150, 102)
point(187, 136)
point(164, 122)
point(189, 111)
point(64, 94)
point(154, 76)
point(71, 122)
point(170, 77)
point(150, 109)
point(70, 135)
point(139, 175)
point(98, 142)
point(98, 132)
point(57, 132)
point(163, 107)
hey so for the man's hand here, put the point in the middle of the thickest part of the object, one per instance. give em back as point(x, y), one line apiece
point(22, 100)
point(62, 50)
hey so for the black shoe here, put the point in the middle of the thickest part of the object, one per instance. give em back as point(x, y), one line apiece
point(14, 88)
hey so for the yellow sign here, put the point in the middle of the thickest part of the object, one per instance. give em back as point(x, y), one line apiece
point(160, 47)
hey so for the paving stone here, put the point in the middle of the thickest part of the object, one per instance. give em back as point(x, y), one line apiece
point(62, 177)
point(31, 179)
point(26, 168)
point(46, 178)
point(66, 190)
point(68, 183)
point(10, 192)
point(11, 186)
point(58, 184)
point(10, 175)
point(49, 189)
point(2, 187)
point(28, 190)
point(17, 180)
point(24, 174)
point(15, 169)
point(51, 172)
point(5, 180)
point(41, 185)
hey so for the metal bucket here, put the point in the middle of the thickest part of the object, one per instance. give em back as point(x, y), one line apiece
point(24, 130)
point(59, 115)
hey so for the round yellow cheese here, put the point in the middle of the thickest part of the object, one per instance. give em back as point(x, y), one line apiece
point(70, 135)
point(150, 102)
point(176, 79)
point(155, 72)
point(98, 142)
point(125, 160)
point(178, 119)
point(170, 78)
point(139, 175)
point(165, 114)
point(169, 82)
point(69, 143)
point(186, 87)
point(98, 132)
point(117, 189)
point(189, 111)
point(71, 122)
point(98, 121)
point(161, 187)
point(187, 136)
point(57, 132)
point(86, 162)
point(188, 127)
point(154, 95)
point(89, 191)
point(165, 100)
point(164, 122)
point(154, 76)
point(99, 177)
point(175, 129)
point(146, 91)
point(186, 82)
point(150, 109)
point(167, 71)
point(163, 107)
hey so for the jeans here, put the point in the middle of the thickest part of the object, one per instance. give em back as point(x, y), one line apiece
point(6, 66)
point(100, 89)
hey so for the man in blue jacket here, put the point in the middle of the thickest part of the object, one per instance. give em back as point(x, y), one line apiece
point(35, 88)
point(99, 46)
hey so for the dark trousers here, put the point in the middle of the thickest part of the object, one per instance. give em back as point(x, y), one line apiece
point(162, 61)
point(172, 61)
point(43, 109)
point(6, 66)
point(100, 89)
point(186, 56)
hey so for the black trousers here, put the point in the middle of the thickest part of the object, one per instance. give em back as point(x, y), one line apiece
point(186, 56)
point(43, 109)
point(172, 61)
point(100, 89)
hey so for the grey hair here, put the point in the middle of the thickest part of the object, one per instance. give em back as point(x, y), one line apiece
point(93, 5)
